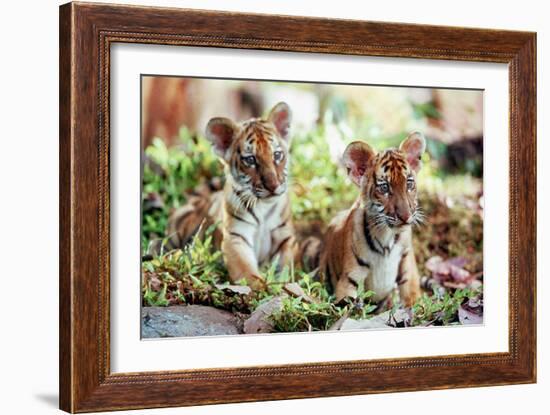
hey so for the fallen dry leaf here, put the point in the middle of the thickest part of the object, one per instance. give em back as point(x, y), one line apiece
point(154, 282)
point(258, 322)
point(471, 311)
point(234, 289)
point(377, 322)
point(450, 272)
point(294, 290)
point(402, 317)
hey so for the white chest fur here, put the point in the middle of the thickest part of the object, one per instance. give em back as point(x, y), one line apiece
point(383, 256)
point(260, 220)
point(383, 273)
point(268, 213)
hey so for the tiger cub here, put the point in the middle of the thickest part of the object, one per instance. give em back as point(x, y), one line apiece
point(254, 206)
point(370, 245)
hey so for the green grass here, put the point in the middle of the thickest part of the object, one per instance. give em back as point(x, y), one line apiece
point(197, 275)
point(441, 309)
point(168, 173)
point(320, 189)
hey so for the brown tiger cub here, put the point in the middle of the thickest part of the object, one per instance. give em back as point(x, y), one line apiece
point(370, 244)
point(254, 206)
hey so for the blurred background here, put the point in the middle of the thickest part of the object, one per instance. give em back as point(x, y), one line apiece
point(326, 117)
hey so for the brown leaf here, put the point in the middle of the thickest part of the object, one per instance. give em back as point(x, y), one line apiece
point(171, 298)
point(401, 317)
point(258, 322)
point(234, 289)
point(449, 272)
point(471, 311)
point(459, 274)
point(433, 263)
point(155, 282)
point(294, 290)
point(454, 285)
point(377, 322)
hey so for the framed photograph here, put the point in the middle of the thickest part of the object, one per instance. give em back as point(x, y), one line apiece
point(258, 207)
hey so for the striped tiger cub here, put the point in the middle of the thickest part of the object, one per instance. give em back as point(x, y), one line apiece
point(370, 245)
point(254, 206)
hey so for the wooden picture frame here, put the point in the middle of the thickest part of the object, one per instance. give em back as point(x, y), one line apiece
point(86, 33)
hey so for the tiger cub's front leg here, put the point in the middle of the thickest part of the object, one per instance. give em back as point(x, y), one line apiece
point(283, 244)
point(287, 251)
point(345, 287)
point(408, 279)
point(241, 260)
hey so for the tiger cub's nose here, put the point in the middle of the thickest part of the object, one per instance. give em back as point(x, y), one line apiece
point(404, 217)
point(270, 183)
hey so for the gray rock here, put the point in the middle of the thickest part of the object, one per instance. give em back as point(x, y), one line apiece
point(187, 321)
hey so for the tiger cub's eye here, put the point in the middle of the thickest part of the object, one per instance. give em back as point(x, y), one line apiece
point(249, 161)
point(410, 184)
point(278, 156)
point(383, 188)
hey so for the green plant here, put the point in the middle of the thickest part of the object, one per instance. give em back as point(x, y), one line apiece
point(440, 310)
point(320, 187)
point(319, 313)
point(168, 174)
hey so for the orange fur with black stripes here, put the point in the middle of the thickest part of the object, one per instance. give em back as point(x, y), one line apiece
point(254, 206)
point(370, 245)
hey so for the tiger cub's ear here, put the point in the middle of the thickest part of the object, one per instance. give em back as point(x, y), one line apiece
point(413, 147)
point(220, 132)
point(358, 156)
point(281, 116)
